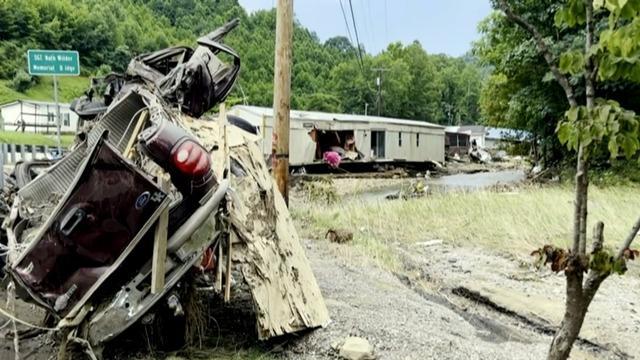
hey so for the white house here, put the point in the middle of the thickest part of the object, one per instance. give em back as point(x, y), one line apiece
point(36, 117)
point(497, 137)
point(475, 132)
point(378, 138)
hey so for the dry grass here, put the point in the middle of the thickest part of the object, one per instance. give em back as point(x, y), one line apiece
point(514, 222)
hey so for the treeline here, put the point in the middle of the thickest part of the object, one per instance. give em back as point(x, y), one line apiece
point(327, 76)
point(521, 92)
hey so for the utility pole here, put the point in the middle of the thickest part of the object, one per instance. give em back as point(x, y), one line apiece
point(282, 96)
point(379, 83)
point(366, 108)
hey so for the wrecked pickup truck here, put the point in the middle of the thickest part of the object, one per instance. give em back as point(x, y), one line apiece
point(154, 190)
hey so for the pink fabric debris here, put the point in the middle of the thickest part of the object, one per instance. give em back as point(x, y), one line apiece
point(332, 158)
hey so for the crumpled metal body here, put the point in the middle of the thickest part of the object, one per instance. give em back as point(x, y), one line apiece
point(82, 230)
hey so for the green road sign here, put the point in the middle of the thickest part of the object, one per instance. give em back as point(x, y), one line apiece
point(53, 62)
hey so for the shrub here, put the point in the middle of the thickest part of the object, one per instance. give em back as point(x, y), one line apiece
point(22, 81)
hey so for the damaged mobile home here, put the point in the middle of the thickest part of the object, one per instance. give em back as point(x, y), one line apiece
point(151, 192)
point(353, 141)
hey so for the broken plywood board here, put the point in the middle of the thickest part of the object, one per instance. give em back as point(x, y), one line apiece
point(267, 248)
point(285, 292)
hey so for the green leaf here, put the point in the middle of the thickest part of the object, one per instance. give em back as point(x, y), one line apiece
point(603, 112)
point(564, 132)
point(559, 18)
point(572, 62)
point(629, 146)
point(619, 267)
point(572, 114)
point(613, 147)
point(601, 262)
point(612, 5)
point(548, 77)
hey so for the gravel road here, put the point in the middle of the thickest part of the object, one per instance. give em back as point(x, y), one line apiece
point(401, 323)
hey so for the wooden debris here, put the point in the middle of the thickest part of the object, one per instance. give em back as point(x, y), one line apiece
point(339, 235)
point(285, 293)
point(130, 149)
point(227, 282)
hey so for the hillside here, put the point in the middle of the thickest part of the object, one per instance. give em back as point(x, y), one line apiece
point(69, 88)
point(327, 76)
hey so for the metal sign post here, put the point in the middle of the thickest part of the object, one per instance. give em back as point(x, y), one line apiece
point(58, 122)
point(55, 63)
point(2, 154)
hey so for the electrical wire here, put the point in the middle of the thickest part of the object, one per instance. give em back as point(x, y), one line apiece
point(346, 23)
point(386, 23)
point(355, 30)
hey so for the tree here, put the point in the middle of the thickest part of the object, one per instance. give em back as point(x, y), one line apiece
point(520, 92)
point(327, 76)
point(604, 54)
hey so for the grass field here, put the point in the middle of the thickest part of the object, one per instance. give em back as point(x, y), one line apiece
point(513, 222)
point(9, 137)
point(70, 87)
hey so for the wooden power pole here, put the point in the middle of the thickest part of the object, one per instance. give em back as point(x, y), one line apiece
point(379, 84)
point(282, 96)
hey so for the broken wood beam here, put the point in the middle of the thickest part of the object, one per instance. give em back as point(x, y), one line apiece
point(218, 282)
point(128, 151)
point(227, 282)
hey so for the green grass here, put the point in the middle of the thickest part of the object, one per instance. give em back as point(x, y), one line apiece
point(515, 223)
point(9, 137)
point(70, 87)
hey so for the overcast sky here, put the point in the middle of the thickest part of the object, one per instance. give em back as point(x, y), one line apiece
point(441, 26)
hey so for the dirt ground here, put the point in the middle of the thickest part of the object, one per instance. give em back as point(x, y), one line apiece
point(448, 303)
point(424, 313)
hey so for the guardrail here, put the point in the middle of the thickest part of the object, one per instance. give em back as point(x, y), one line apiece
point(10, 154)
point(13, 153)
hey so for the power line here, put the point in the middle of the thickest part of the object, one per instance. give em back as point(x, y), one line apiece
point(344, 15)
point(355, 30)
point(386, 24)
point(370, 24)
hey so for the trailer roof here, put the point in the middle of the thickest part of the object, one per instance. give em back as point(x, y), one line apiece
point(323, 116)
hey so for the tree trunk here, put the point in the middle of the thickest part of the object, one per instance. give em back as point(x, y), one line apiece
point(575, 311)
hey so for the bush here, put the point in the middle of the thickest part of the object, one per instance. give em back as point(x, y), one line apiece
point(22, 81)
point(322, 191)
point(103, 70)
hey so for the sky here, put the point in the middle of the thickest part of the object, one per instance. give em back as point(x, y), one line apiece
point(441, 26)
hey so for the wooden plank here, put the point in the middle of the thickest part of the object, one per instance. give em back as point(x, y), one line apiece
point(160, 243)
point(218, 283)
point(286, 296)
point(227, 282)
point(128, 151)
point(224, 136)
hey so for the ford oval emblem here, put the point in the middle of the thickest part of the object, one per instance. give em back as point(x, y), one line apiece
point(142, 200)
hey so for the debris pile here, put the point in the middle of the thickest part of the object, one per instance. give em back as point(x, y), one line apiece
point(339, 235)
point(152, 195)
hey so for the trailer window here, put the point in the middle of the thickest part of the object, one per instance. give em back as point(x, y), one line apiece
point(377, 143)
point(417, 139)
point(399, 139)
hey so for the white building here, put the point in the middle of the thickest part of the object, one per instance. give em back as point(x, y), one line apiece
point(475, 132)
point(36, 117)
point(378, 138)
